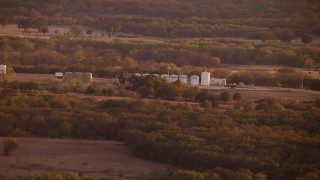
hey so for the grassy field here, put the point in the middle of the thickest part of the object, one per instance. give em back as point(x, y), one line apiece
point(254, 94)
point(93, 158)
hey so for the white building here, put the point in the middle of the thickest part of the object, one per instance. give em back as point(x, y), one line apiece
point(194, 80)
point(183, 79)
point(218, 82)
point(3, 69)
point(58, 75)
point(145, 74)
point(205, 78)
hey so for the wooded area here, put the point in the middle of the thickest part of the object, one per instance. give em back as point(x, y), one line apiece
point(252, 19)
point(266, 139)
point(276, 139)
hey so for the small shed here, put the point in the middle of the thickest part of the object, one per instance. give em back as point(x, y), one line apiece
point(58, 75)
point(218, 81)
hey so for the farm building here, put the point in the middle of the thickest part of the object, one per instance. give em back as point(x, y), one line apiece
point(218, 81)
point(3, 69)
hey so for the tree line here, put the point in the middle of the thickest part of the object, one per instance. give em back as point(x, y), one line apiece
point(27, 55)
point(262, 19)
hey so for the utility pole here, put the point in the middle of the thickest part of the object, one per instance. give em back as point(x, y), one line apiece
point(301, 80)
point(169, 73)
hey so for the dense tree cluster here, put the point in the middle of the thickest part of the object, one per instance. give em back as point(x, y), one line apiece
point(263, 19)
point(277, 139)
point(61, 52)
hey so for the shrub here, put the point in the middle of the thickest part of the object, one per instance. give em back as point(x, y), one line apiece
point(9, 146)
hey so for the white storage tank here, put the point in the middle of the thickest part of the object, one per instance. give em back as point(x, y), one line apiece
point(205, 78)
point(87, 76)
point(145, 74)
point(174, 78)
point(165, 77)
point(137, 74)
point(194, 80)
point(183, 79)
point(79, 76)
point(3, 69)
point(68, 76)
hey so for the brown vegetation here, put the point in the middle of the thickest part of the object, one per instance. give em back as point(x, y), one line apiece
point(94, 158)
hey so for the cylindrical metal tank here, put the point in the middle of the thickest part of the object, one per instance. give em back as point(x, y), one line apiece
point(205, 78)
point(3, 69)
point(183, 79)
point(173, 78)
point(78, 76)
point(145, 74)
point(194, 80)
point(165, 76)
point(87, 76)
point(67, 77)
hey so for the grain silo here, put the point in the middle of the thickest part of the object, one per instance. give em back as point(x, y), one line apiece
point(3, 69)
point(67, 77)
point(173, 78)
point(183, 79)
point(87, 77)
point(79, 76)
point(194, 80)
point(205, 78)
